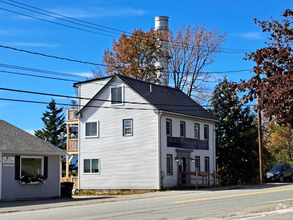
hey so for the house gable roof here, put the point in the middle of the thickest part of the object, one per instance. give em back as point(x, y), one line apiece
point(161, 97)
point(167, 99)
point(15, 140)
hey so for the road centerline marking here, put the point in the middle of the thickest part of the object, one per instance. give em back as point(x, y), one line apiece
point(229, 196)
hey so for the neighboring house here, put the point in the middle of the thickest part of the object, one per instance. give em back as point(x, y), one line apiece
point(29, 167)
point(138, 135)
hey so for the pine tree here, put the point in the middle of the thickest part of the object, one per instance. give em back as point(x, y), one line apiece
point(236, 136)
point(54, 126)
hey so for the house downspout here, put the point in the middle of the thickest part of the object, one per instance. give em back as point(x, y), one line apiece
point(160, 151)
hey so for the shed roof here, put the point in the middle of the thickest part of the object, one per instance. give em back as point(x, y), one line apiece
point(15, 140)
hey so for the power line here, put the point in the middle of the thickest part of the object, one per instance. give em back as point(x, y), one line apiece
point(95, 64)
point(46, 77)
point(41, 71)
point(57, 17)
point(69, 17)
point(65, 25)
point(223, 49)
point(84, 98)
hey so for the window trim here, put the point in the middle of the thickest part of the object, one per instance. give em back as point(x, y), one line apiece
point(171, 164)
point(91, 173)
point(198, 131)
point(98, 130)
point(38, 157)
point(170, 121)
point(122, 95)
point(204, 132)
point(207, 165)
point(184, 128)
point(195, 158)
point(123, 128)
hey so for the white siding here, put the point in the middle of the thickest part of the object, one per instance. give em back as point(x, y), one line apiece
point(88, 90)
point(125, 162)
point(172, 180)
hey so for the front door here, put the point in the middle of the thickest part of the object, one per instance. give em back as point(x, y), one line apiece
point(183, 167)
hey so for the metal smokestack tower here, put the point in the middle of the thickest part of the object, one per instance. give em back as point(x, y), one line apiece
point(161, 23)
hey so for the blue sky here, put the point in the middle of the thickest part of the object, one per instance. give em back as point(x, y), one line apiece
point(18, 31)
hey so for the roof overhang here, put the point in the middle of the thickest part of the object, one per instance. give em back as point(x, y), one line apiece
point(33, 152)
point(187, 116)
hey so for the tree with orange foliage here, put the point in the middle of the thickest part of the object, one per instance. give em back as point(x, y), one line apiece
point(190, 50)
point(134, 56)
point(279, 142)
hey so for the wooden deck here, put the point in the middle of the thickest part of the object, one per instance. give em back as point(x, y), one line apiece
point(196, 179)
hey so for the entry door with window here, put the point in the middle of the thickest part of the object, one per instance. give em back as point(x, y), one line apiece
point(183, 167)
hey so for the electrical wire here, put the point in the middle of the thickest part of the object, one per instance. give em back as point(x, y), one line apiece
point(97, 64)
point(46, 77)
point(65, 25)
point(225, 50)
point(92, 99)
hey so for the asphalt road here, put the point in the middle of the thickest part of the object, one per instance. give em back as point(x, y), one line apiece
point(270, 201)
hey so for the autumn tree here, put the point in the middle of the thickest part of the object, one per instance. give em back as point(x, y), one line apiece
point(134, 56)
point(236, 136)
point(272, 82)
point(279, 142)
point(191, 50)
point(54, 126)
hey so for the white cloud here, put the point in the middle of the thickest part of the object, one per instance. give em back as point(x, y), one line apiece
point(250, 35)
point(84, 75)
point(32, 44)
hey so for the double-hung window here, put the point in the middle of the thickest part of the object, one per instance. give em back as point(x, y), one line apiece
point(91, 129)
point(127, 127)
point(169, 164)
point(91, 165)
point(206, 132)
point(116, 95)
point(182, 129)
point(196, 131)
point(197, 164)
point(168, 127)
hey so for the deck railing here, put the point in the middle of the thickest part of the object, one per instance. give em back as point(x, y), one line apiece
point(72, 145)
point(71, 114)
point(197, 179)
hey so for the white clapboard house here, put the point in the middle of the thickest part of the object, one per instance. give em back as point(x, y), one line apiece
point(133, 134)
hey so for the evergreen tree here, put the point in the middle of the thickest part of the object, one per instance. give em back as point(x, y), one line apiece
point(236, 136)
point(54, 126)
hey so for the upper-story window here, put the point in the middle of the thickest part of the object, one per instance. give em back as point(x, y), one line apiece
point(206, 132)
point(116, 95)
point(182, 129)
point(91, 129)
point(127, 127)
point(168, 127)
point(196, 131)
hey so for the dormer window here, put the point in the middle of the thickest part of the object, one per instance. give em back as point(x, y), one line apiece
point(116, 95)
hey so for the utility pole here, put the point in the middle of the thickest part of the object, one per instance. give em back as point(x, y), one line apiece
point(260, 144)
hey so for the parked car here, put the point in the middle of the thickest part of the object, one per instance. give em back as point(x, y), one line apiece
point(279, 172)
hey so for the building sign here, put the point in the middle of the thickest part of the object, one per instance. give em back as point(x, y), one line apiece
point(187, 143)
point(8, 160)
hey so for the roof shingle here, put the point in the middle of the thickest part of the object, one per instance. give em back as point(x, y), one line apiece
point(15, 140)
